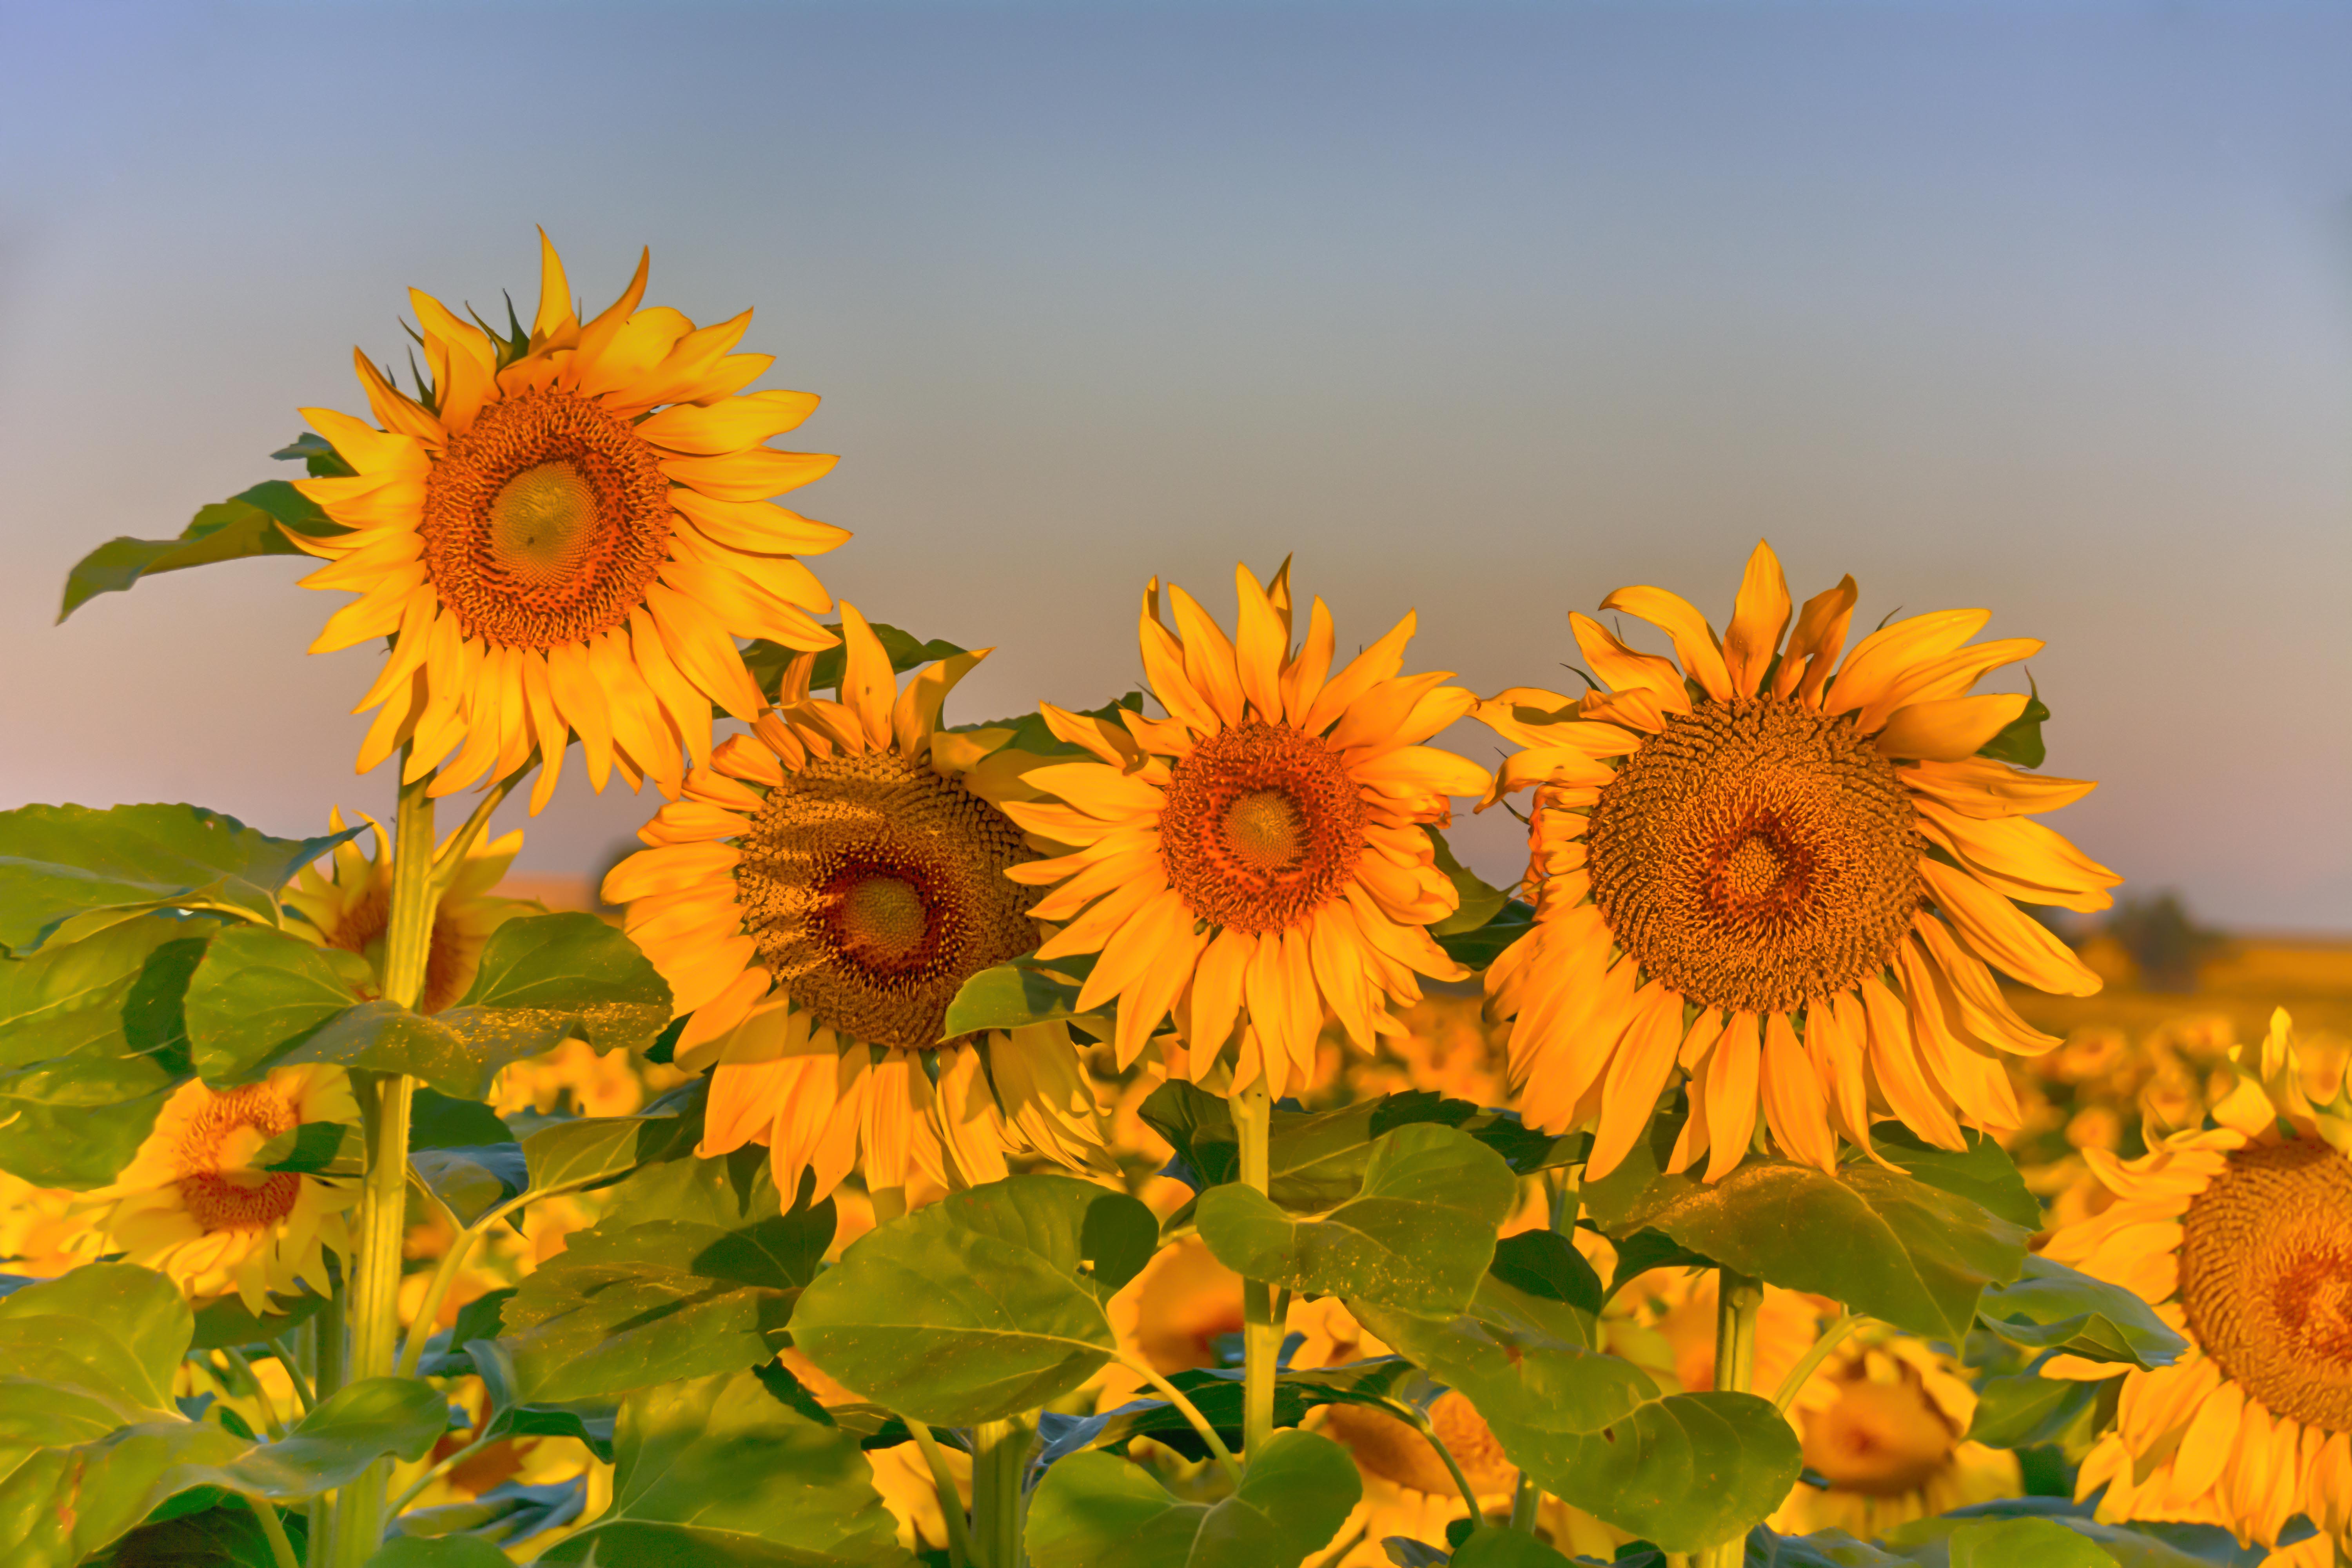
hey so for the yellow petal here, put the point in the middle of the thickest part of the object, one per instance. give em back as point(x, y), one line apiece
point(1694, 644)
point(1885, 656)
point(1758, 617)
point(1948, 730)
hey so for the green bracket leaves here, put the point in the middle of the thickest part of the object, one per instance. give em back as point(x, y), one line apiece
point(244, 524)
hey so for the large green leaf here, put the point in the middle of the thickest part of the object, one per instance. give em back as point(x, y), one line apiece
point(1505, 1549)
point(593, 1149)
point(88, 1351)
point(223, 1534)
point(225, 1321)
point(1417, 1236)
point(91, 1041)
point(438, 1551)
point(333, 1442)
point(258, 992)
point(2027, 1411)
point(383, 1037)
point(2020, 741)
point(718, 1470)
point(59, 1506)
point(954, 1315)
point(2019, 1543)
point(2052, 1307)
point(1016, 994)
point(1983, 1172)
point(1099, 1238)
point(1883, 1242)
point(1094, 1509)
point(73, 871)
point(1218, 1394)
point(546, 978)
point(244, 524)
point(628, 1305)
point(1481, 945)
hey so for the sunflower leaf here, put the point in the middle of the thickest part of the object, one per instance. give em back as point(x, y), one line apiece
point(2020, 741)
point(1481, 946)
point(2052, 1307)
point(1017, 993)
point(68, 871)
point(246, 524)
point(1481, 901)
point(227, 1322)
point(1094, 1508)
point(544, 979)
point(260, 992)
point(1217, 1394)
point(2028, 1411)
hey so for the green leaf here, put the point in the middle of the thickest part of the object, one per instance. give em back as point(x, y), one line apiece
point(437, 1120)
point(593, 1149)
point(70, 869)
point(88, 1351)
point(1983, 1172)
point(334, 1441)
point(260, 993)
point(1505, 1549)
point(471, 1182)
point(222, 1533)
point(766, 660)
point(383, 1037)
point(1546, 1264)
point(1882, 1242)
point(60, 1506)
point(91, 1042)
point(590, 1421)
point(2020, 741)
point(546, 978)
point(244, 524)
point(956, 1313)
point(626, 1305)
point(1217, 1395)
point(1094, 1509)
point(2023, 1543)
point(317, 454)
point(438, 1551)
point(2029, 1411)
point(1015, 994)
point(1481, 901)
point(227, 1322)
point(2052, 1307)
point(1934, 1542)
point(1417, 1237)
point(311, 1147)
point(1101, 1238)
point(1481, 946)
point(718, 1470)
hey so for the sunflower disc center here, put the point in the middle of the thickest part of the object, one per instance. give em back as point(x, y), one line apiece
point(873, 889)
point(224, 1136)
point(1755, 855)
point(1262, 827)
point(244, 1200)
point(1882, 1439)
point(2266, 1278)
point(544, 522)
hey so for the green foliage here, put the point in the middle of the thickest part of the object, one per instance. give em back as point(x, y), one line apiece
point(544, 979)
point(2052, 1307)
point(697, 1471)
point(333, 1442)
point(2020, 741)
point(67, 871)
point(1481, 901)
point(766, 660)
point(244, 524)
point(438, 1551)
point(2014, 1543)
point(1505, 1549)
point(1890, 1245)
point(258, 992)
point(225, 1321)
point(1094, 1509)
point(2027, 1411)
point(1482, 944)
point(1417, 1236)
point(222, 1534)
point(1217, 1395)
point(1020, 993)
point(974, 1309)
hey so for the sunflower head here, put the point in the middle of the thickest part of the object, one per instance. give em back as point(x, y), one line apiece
point(2240, 1235)
point(816, 898)
point(1788, 876)
point(196, 1205)
point(1257, 860)
point(562, 532)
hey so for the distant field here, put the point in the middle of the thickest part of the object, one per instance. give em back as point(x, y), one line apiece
point(2310, 977)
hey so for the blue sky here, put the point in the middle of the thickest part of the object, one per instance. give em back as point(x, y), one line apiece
point(1480, 310)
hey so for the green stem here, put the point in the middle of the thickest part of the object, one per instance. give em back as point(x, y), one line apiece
point(1420, 1420)
point(1261, 1333)
point(452, 858)
point(950, 1500)
point(1000, 1451)
point(323, 1338)
point(440, 1467)
point(385, 1099)
point(1737, 1300)
point(1190, 1412)
point(293, 1373)
point(445, 1274)
point(1525, 1503)
point(244, 1368)
point(281, 1549)
point(1830, 1339)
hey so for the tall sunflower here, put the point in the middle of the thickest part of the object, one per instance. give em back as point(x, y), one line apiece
point(816, 898)
point(1258, 855)
point(563, 533)
point(350, 907)
point(193, 1205)
point(1795, 885)
point(2240, 1235)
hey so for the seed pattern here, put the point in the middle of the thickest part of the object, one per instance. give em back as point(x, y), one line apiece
point(544, 522)
point(2266, 1278)
point(1263, 826)
point(1755, 855)
point(243, 1200)
point(873, 889)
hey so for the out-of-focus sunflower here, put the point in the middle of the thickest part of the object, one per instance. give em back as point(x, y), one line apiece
point(192, 1206)
point(2241, 1235)
point(351, 909)
point(816, 898)
point(1816, 871)
point(1882, 1422)
point(44, 1231)
point(1258, 855)
point(1171, 1315)
point(563, 534)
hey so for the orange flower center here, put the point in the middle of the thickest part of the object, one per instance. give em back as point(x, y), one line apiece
point(873, 889)
point(1755, 855)
point(216, 1188)
point(2266, 1278)
point(1385, 1447)
point(1263, 826)
point(448, 958)
point(1881, 1439)
point(545, 521)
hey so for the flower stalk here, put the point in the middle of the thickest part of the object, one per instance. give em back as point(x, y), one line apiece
point(1000, 1453)
point(1738, 1303)
point(1261, 1335)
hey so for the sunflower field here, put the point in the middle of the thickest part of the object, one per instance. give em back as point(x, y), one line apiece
point(1124, 1138)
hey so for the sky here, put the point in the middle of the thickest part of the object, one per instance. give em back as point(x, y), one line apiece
point(1480, 311)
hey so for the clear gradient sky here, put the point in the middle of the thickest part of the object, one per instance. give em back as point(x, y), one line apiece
point(1480, 310)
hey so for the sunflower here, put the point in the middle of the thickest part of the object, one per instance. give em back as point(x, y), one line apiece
point(1795, 886)
point(2240, 1235)
point(563, 533)
point(351, 907)
point(191, 1204)
point(816, 898)
point(1258, 855)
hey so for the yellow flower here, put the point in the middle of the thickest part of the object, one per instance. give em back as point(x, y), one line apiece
point(1259, 855)
point(351, 909)
point(566, 536)
point(191, 1204)
point(2240, 1236)
point(816, 898)
point(573, 1079)
point(1794, 888)
point(44, 1231)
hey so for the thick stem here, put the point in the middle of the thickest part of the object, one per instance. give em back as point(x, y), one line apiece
point(1738, 1298)
point(244, 1369)
point(323, 1340)
point(960, 1553)
point(280, 1549)
point(384, 1098)
point(1000, 1453)
point(1261, 1333)
point(1525, 1503)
